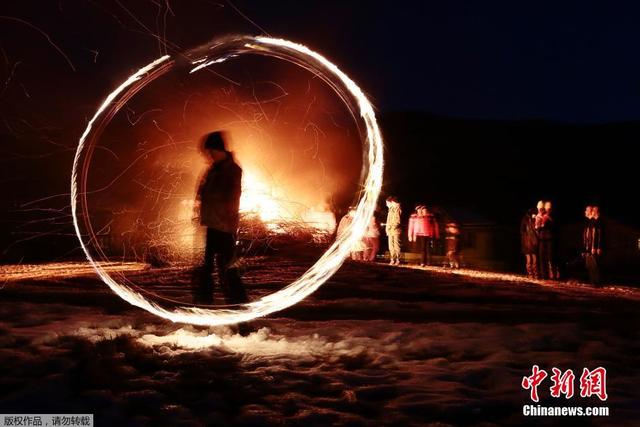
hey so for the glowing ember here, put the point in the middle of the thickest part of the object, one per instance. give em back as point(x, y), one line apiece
point(361, 110)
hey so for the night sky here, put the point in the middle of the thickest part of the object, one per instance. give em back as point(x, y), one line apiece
point(536, 100)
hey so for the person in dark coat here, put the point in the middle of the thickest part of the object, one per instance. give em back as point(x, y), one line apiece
point(529, 242)
point(218, 204)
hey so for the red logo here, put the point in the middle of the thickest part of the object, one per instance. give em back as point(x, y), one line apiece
point(562, 383)
point(534, 381)
point(592, 383)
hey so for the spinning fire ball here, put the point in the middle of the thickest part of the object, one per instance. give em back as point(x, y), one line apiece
point(218, 51)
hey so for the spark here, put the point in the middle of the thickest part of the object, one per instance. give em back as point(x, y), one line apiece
point(45, 35)
point(361, 110)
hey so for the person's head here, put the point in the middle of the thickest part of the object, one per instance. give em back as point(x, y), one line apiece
point(214, 146)
point(547, 207)
point(540, 206)
point(588, 212)
point(595, 212)
point(391, 201)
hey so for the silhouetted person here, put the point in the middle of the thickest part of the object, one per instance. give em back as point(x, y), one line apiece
point(529, 242)
point(452, 240)
point(372, 240)
point(423, 228)
point(394, 230)
point(545, 228)
point(218, 200)
point(593, 243)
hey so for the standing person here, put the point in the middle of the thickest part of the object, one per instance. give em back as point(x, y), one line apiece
point(545, 244)
point(554, 265)
point(218, 203)
point(593, 246)
point(345, 222)
point(433, 233)
point(586, 230)
point(423, 228)
point(529, 242)
point(417, 230)
point(393, 230)
point(357, 250)
point(372, 240)
point(453, 245)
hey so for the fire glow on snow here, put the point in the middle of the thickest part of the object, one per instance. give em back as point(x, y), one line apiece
point(361, 110)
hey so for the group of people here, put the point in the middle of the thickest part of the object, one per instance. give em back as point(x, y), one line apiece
point(538, 232)
point(217, 209)
point(423, 229)
point(539, 238)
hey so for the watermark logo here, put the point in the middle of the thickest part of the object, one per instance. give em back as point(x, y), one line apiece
point(592, 383)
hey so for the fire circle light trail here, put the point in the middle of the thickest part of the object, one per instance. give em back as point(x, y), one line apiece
point(215, 52)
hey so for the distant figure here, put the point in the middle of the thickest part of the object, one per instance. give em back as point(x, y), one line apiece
point(372, 240)
point(393, 230)
point(529, 242)
point(357, 250)
point(423, 228)
point(453, 244)
point(545, 228)
point(593, 243)
point(218, 202)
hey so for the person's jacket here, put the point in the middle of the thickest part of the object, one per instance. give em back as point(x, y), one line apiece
point(219, 196)
point(392, 227)
point(545, 226)
point(593, 235)
point(423, 225)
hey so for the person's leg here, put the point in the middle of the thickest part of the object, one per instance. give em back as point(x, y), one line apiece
point(534, 266)
point(429, 249)
point(204, 286)
point(542, 259)
point(527, 263)
point(368, 243)
point(597, 269)
point(375, 246)
point(396, 248)
point(423, 250)
point(553, 274)
point(235, 292)
point(592, 268)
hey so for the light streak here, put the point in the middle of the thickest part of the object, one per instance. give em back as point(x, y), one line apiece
point(620, 290)
point(362, 112)
point(59, 270)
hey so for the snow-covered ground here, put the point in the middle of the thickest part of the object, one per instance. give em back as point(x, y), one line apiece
point(376, 345)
